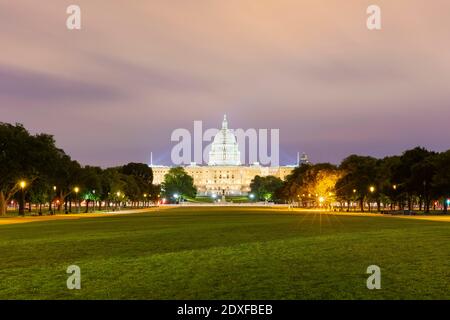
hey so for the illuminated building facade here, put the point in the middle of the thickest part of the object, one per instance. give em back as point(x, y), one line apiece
point(224, 174)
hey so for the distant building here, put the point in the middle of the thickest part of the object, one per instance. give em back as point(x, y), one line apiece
point(224, 149)
point(224, 174)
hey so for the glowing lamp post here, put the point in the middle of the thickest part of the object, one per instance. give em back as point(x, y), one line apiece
point(76, 190)
point(372, 190)
point(22, 185)
point(94, 199)
point(321, 201)
point(118, 199)
point(51, 200)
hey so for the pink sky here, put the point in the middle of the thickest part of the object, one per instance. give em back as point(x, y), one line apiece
point(115, 90)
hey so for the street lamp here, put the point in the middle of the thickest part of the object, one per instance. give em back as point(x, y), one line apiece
point(118, 197)
point(51, 199)
point(76, 189)
point(22, 185)
point(94, 200)
point(372, 190)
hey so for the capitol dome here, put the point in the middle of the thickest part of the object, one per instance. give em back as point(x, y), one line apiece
point(224, 149)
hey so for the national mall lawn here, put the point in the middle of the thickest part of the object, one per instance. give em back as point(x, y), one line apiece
point(226, 253)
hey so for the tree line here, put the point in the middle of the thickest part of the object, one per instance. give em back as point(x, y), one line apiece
point(416, 179)
point(34, 171)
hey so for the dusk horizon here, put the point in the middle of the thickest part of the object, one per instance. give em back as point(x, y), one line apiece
point(287, 157)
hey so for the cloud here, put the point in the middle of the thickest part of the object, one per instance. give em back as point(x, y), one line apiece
point(311, 69)
point(23, 85)
point(150, 77)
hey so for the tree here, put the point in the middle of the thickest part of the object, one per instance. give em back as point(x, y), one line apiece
point(413, 174)
point(388, 188)
point(345, 190)
point(90, 184)
point(139, 181)
point(40, 193)
point(139, 170)
point(294, 182)
point(23, 157)
point(67, 175)
point(319, 183)
point(422, 177)
point(132, 189)
point(266, 188)
point(178, 182)
point(111, 183)
point(311, 184)
point(155, 193)
point(441, 177)
point(358, 175)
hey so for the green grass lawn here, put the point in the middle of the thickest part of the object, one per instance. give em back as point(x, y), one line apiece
point(226, 253)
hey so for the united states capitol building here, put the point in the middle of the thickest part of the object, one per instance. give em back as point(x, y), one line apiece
point(225, 174)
